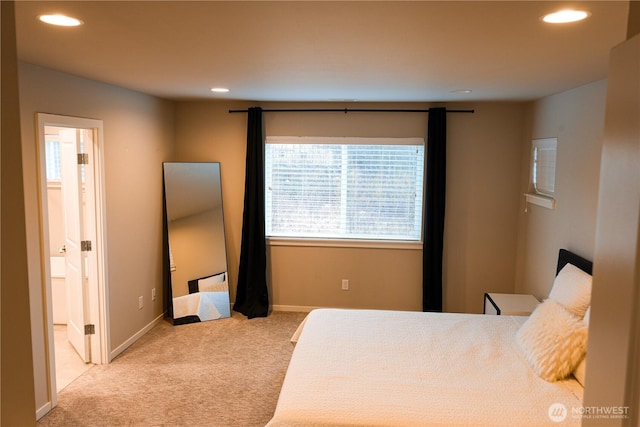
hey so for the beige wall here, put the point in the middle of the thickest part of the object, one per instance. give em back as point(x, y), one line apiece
point(612, 367)
point(138, 137)
point(17, 399)
point(576, 119)
point(483, 166)
point(482, 204)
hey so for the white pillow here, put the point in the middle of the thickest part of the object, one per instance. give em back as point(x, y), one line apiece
point(581, 369)
point(217, 283)
point(553, 341)
point(218, 278)
point(572, 289)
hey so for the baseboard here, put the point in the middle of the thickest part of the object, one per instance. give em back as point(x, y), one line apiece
point(122, 347)
point(296, 308)
point(44, 410)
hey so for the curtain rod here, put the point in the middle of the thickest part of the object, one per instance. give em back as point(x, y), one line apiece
point(350, 110)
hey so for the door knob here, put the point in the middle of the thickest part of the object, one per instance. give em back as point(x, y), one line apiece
point(62, 249)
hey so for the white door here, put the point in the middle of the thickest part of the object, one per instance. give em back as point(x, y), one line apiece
point(76, 282)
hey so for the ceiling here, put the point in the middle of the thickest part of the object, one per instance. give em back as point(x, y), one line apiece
point(326, 51)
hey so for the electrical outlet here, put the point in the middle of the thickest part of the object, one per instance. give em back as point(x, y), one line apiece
point(153, 294)
point(345, 284)
point(140, 302)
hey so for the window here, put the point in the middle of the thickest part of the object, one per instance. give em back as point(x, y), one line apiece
point(52, 156)
point(543, 172)
point(543, 176)
point(344, 188)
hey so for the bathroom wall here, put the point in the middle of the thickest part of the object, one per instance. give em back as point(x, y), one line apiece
point(56, 241)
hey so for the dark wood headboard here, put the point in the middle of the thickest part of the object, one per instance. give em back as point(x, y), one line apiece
point(566, 257)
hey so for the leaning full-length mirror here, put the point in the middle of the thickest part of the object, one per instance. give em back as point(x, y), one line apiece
point(197, 254)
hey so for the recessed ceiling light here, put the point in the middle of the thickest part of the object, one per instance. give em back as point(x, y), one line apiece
point(219, 89)
point(60, 20)
point(566, 16)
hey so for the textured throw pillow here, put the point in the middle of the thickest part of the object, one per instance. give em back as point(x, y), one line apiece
point(553, 341)
point(572, 289)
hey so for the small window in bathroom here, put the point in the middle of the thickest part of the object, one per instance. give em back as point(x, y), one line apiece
point(52, 150)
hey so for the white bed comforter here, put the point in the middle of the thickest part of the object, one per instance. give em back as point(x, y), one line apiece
point(391, 368)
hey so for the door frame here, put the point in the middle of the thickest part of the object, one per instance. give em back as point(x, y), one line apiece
point(98, 295)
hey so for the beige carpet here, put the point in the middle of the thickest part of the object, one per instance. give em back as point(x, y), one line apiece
point(225, 372)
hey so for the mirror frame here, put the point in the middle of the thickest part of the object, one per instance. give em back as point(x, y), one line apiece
point(215, 295)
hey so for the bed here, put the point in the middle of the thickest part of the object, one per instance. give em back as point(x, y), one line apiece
point(208, 299)
point(394, 368)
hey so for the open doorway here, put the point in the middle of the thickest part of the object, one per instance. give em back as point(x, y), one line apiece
point(72, 250)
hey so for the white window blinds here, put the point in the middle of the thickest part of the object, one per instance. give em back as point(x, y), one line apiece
point(53, 160)
point(543, 175)
point(353, 188)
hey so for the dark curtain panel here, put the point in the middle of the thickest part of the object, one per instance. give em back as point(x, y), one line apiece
point(434, 210)
point(252, 297)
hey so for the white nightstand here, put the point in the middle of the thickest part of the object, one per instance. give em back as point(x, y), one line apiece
point(509, 304)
